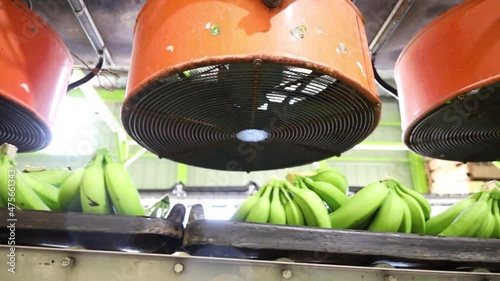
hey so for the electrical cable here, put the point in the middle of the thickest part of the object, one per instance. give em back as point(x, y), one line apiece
point(89, 76)
point(382, 84)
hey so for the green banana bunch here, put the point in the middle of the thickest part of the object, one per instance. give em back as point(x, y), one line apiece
point(417, 216)
point(496, 213)
point(243, 210)
point(293, 213)
point(69, 192)
point(476, 216)
point(333, 177)
point(15, 189)
point(277, 213)
point(422, 202)
point(331, 195)
point(468, 223)
point(310, 204)
point(406, 224)
point(360, 207)
point(53, 177)
point(437, 224)
point(121, 188)
point(260, 211)
point(160, 208)
point(488, 226)
point(47, 192)
point(93, 195)
point(26, 197)
point(325, 174)
point(389, 216)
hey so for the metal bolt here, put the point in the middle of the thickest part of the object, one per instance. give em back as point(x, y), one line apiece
point(178, 268)
point(341, 49)
point(257, 63)
point(286, 273)
point(390, 278)
point(67, 261)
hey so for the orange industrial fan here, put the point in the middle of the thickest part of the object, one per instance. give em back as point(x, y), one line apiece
point(237, 85)
point(35, 67)
point(448, 80)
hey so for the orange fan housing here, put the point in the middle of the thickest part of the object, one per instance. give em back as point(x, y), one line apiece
point(35, 67)
point(234, 85)
point(448, 78)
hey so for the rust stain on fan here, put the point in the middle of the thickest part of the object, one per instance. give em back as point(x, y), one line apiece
point(237, 101)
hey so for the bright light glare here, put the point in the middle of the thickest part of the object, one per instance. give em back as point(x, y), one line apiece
point(73, 131)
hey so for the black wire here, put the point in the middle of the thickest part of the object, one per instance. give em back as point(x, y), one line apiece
point(89, 76)
point(30, 4)
point(382, 84)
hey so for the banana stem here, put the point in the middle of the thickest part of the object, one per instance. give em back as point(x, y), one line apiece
point(490, 186)
point(291, 177)
point(97, 158)
point(9, 151)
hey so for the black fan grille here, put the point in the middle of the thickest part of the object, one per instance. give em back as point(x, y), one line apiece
point(466, 129)
point(21, 127)
point(194, 117)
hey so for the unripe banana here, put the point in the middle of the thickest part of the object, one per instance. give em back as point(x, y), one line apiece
point(334, 178)
point(293, 213)
point(121, 188)
point(496, 213)
point(469, 221)
point(495, 189)
point(488, 226)
point(93, 195)
point(329, 193)
point(48, 193)
point(421, 200)
point(437, 224)
point(360, 206)
point(363, 225)
point(51, 176)
point(69, 192)
point(311, 205)
point(277, 211)
point(329, 168)
point(14, 189)
point(243, 210)
point(405, 226)
point(260, 212)
point(389, 215)
point(417, 215)
point(26, 198)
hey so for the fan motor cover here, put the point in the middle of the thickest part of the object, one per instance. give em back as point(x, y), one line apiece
point(205, 74)
point(35, 66)
point(448, 79)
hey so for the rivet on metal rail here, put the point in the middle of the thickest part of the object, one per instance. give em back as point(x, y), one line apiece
point(390, 278)
point(67, 262)
point(286, 273)
point(178, 268)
